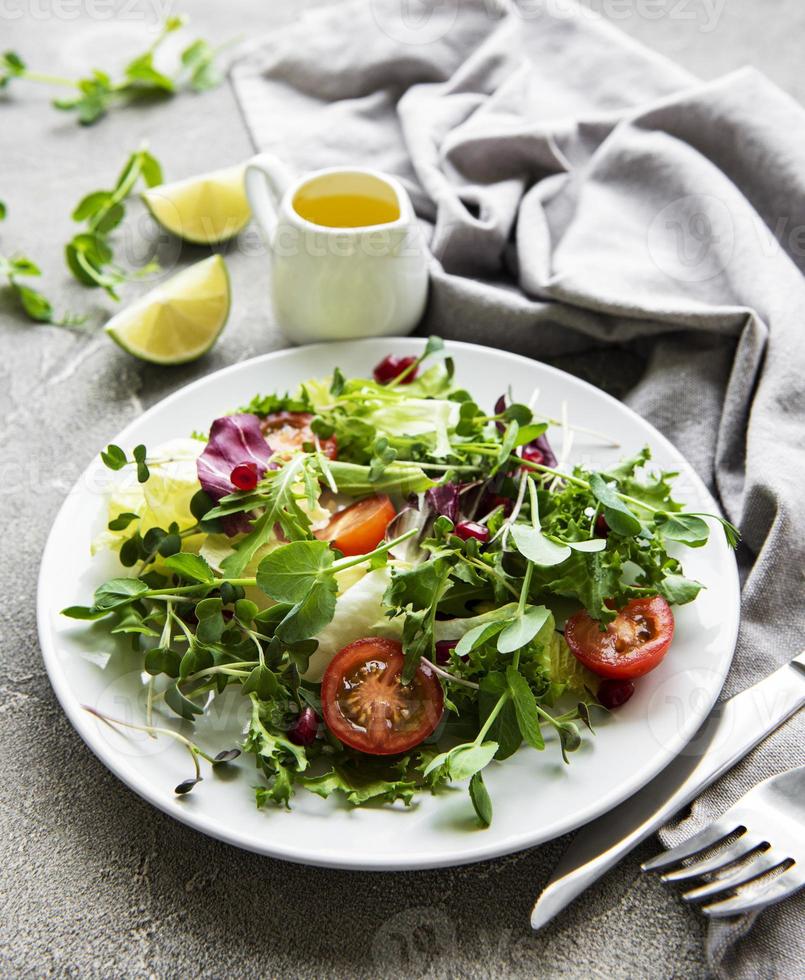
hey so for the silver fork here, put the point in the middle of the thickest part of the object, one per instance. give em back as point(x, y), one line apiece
point(770, 823)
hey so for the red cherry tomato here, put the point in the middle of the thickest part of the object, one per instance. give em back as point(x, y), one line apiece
point(367, 707)
point(359, 528)
point(631, 645)
point(287, 431)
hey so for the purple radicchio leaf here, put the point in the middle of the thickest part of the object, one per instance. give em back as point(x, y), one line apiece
point(500, 408)
point(234, 439)
point(444, 500)
point(538, 445)
point(542, 446)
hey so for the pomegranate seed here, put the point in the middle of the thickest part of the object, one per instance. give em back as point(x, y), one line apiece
point(244, 476)
point(443, 650)
point(534, 455)
point(613, 693)
point(469, 529)
point(601, 527)
point(303, 731)
point(493, 500)
point(392, 367)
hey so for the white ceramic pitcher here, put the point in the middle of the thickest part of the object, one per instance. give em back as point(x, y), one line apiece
point(331, 282)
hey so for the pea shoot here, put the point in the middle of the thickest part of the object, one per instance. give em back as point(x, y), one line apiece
point(94, 95)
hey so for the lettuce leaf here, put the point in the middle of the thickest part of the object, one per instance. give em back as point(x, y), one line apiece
point(565, 674)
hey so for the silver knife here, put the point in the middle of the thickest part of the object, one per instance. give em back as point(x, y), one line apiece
point(732, 729)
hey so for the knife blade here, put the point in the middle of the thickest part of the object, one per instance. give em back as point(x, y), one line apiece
point(732, 729)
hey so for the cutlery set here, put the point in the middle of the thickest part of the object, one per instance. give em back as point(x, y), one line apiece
point(766, 833)
point(769, 820)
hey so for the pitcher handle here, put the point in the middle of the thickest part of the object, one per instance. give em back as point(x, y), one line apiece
point(266, 180)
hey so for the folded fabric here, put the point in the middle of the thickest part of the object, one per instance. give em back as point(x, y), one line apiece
point(588, 201)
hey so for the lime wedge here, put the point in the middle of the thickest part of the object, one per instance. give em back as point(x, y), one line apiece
point(204, 209)
point(179, 320)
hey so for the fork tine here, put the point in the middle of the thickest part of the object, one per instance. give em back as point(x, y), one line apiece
point(761, 864)
point(711, 835)
point(778, 888)
point(728, 855)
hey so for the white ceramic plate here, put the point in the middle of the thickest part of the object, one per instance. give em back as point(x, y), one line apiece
point(536, 797)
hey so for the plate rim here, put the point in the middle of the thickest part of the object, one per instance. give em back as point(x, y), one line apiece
point(82, 722)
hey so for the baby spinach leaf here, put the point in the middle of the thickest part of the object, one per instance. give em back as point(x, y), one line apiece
point(690, 530)
point(590, 546)
point(118, 592)
point(290, 572)
point(480, 799)
point(162, 660)
point(132, 621)
point(617, 514)
point(122, 521)
point(311, 615)
point(190, 566)
point(678, 590)
point(246, 610)
point(505, 730)
point(569, 739)
point(463, 761)
point(533, 545)
point(210, 621)
point(528, 433)
point(477, 636)
point(196, 659)
point(139, 454)
point(113, 458)
point(263, 682)
point(523, 629)
point(525, 704)
point(85, 612)
point(183, 706)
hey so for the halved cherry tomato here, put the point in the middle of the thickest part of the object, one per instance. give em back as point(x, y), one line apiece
point(367, 707)
point(632, 644)
point(286, 431)
point(360, 527)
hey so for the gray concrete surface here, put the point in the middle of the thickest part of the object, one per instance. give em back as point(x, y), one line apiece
point(95, 883)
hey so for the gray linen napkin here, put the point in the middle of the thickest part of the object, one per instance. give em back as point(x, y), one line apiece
point(589, 202)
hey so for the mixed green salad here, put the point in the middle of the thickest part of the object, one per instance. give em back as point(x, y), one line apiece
point(404, 585)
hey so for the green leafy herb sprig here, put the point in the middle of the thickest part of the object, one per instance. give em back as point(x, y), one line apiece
point(96, 93)
point(33, 303)
point(90, 254)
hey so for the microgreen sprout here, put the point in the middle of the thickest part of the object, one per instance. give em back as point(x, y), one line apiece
point(33, 303)
point(90, 254)
point(93, 95)
point(195, 751)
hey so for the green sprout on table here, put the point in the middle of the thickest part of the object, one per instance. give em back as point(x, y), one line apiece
point(93, 95)
point(89, 254)
point(34, 304)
